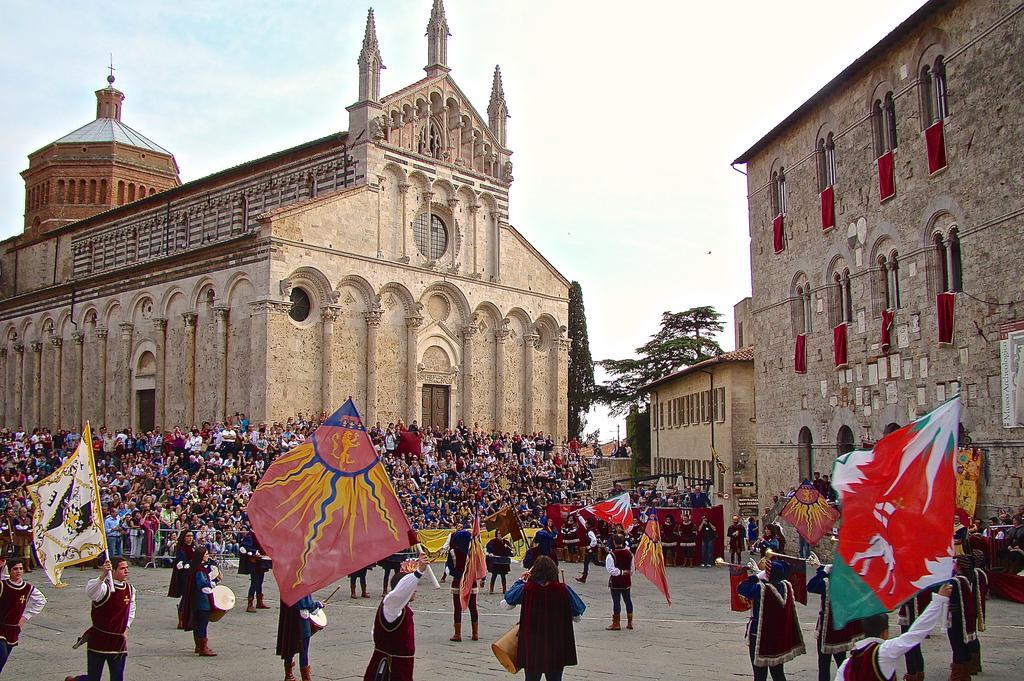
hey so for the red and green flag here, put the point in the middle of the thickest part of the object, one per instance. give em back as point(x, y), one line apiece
point(896, 533)
point(650, 558)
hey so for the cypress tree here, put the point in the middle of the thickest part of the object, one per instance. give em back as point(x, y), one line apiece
point(581, 364)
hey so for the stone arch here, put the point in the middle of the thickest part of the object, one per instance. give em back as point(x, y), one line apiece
point(91, 316)
point(402, 295)
point(888, 415)
point(63, 320)
point(883, 85)
point(168, 299)
point(142, 306)
point(937, 208)
point(442, 185)
point(518, 314)
point(47, 326)
point(446, 345)
point(420, 181)
point(467, 196)
point(113, 309)
point(549, 331)
point(454, 294)
point(489, 310)
point(200, 290)
point(930, 45)
point(370, 299)
point(394, 169)
point(316, 281)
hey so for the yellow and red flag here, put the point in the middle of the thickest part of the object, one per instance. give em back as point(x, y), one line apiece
point(650, 558)
point(476, 565)
point(809, 513)
point(327, 508)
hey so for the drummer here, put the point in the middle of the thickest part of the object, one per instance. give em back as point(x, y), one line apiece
point(499, 560)
point(293, 634)
point(183, 552)
point(199, 599)
point(254, 562)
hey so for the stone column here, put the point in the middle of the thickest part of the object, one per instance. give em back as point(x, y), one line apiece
point(412, 326)
point(474, 210)
point(328, 316)
point(428, 198)
point(78, 338)
point(101, 364)
point(4, 401)
point(160, 338)
point(453, 206)
point(125, 374)
point(380, 192)
point(403, 190)
point(37, 383)
point(496, 248)
point(58, 383)
point(19, 367)
point(221, 355)
point(189, 360)
point(468, 332)
point(500, 336)
point(373, 319)
point(560, 419)
point(530, 342)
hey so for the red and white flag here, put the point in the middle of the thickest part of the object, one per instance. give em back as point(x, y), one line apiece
point(615, 511)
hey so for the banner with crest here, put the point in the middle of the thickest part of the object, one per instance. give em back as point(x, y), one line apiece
point(67, 517)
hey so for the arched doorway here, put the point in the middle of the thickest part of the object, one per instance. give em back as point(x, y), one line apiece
point(844, 441)
point(144, 390)
point(805, 453)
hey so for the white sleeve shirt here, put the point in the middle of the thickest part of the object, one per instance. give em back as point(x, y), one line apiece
point(99, 588)
point(593, 539)
point(399, 597)
point(891, 652)
point(609, 565)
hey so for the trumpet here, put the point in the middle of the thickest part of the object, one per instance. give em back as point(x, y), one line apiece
point(813, 560)
point(720, 562)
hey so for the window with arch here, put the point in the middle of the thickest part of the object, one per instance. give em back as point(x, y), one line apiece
point(889, 280)
point(934, 101)
point(302, 306)
point(801, 306)
point(826, 153)
point(946, 265)
point(778, 192)
point(431, 235)
point(431, 140)
point(844, 441)
point(883, 124)
point(841, 307)
point(805, 453)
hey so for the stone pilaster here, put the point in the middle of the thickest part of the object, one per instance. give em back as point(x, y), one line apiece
point(57, 384)
point(78, 338)
point(500, 337)
point(373, 320)
point(101, 366)
point(468, 332)
point(126, 329)
point(530, 342)
point(3, 393)
point(328, 316)
point(403, 190)
point(412, 326)
point(474, 211)
point(221, 364)
point(37, 383)
point(189, 361)
point(265, 323)
point(453, 242)
point(19, 369)
point(160, 339)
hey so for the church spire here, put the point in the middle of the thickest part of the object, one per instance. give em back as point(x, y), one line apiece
point(497, 110)
point(437, 41)
point(370, 63)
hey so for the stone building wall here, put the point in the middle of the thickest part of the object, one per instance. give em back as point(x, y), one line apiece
point(978, 194)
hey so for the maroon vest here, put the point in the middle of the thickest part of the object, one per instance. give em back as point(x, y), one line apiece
point(13, 600)
point(623, 561)
point(110, 621)
point(863, 665)
point(394, 646)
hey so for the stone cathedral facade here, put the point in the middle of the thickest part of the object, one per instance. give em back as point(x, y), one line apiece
point(377, 262)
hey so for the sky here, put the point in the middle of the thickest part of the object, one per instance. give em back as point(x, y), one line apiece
point(625, 117)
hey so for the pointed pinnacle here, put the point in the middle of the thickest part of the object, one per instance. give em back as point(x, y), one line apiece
point(371, 48)
point(438, 20)
point(497, 93)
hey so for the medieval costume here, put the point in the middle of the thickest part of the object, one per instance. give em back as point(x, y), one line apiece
point(545, 539)
point(910, 610)
point(773, 631)
point(183, 551)
point(18, 600)
point(112, 613)
point(198, 600)
point(619, 565)
point(461, 541)
point(569, 537)
point(736, 534)
point(590, 557)
point(831, 643)
point(966, 617)
point(391, 564)
point(294, 630)
point(359, 576)
point(669, 540)
point(499, 559)
point(394, 635)
point(875, 659)
point(547, 641)
point(253, 561)
point(687, 542)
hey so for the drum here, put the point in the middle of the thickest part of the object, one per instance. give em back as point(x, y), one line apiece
point(214, 573)
point(317, 620)
point(265, 563)
point(506, 649)
point(223, 600)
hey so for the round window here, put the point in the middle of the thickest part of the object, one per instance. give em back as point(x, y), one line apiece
point(432, 240)
point(300, 305)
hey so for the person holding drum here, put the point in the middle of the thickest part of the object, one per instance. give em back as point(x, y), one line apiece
point(254, 562)
point(199, 597)
point(394, 636)
point(499, 560)
point(183, 552)
point(294, 630)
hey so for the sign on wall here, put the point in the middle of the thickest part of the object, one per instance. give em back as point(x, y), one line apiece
point(1011, 365)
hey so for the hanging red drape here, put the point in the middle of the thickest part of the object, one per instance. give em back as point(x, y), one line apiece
point(887, 317)
point(839, 345)
point(800, 355)
point(886, 178)
point(778, 239)
point(828, 208)
point(936, 144)
point(945, 309)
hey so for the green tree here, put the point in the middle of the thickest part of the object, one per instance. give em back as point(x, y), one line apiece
point(638, 432)
point(684, 339)
point(581, 364)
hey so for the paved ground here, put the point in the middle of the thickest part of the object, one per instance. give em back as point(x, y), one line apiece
point(697, 638)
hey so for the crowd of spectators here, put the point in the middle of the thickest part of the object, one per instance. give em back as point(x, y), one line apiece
point(157, 483)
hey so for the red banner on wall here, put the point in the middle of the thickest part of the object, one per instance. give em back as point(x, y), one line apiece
point(945, 313)
point(886, 176)
point(800, 354)
point(828, 208)
point(778, 238)
point(887, 318)
point(936, 143)
point(839, 345)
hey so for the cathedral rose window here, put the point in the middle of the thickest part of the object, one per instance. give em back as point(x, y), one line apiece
point(300, 305)
point(432, 242)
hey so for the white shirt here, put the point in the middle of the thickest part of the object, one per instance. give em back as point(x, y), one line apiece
point(99, 588)
point(399, 597)
point(593, 539)
point(891, 652)
point(609, 565)
point(36, 600)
